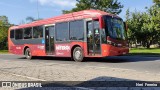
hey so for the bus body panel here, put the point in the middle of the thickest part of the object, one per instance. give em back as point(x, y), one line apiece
point(62, 49)
point(66, 17)
point(65, 49)
point(37, 49)
point(18, 49)
point(109, 50)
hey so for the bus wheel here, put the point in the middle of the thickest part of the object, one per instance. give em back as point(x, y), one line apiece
point(78, 54)
point(28, 54)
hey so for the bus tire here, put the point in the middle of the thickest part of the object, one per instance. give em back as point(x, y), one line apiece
point(28, 54)
point(78, 54)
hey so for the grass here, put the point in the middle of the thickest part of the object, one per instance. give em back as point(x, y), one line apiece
point(3, 51)
point(133, 51)
point(144, 51)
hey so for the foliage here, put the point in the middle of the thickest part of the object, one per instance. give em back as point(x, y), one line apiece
point(144, 27)
point(111, 6)
point(135, 21)
point(157, 2)
point(152, 25)
point(4, 19)
point(3, 35)
point(30, 19)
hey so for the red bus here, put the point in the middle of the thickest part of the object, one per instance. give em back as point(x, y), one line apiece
point(88, 33)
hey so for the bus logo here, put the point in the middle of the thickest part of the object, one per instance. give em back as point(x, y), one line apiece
point(59, 47)
point(6, 85)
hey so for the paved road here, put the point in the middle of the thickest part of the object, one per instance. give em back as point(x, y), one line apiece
point(17, 68)
point(138, 63)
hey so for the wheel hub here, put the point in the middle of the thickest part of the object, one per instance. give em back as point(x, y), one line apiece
point(77, 54)
point(28, 54)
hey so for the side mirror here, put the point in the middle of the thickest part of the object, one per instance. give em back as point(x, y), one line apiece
point(125, 26)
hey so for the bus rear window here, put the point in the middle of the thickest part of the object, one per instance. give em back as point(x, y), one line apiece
point(12, 34)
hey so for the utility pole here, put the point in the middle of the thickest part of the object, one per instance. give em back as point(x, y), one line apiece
point(37, 10)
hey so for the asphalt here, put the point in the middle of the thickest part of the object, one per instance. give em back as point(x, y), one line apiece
point(119, 68)
point(149, 64)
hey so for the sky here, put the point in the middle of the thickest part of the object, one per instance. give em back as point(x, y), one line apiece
point(18, 10)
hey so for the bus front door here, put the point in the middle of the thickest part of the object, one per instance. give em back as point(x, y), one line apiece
point(49, 39)
point(93, 38)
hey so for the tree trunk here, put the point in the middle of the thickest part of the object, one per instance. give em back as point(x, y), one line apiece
point(148, 44)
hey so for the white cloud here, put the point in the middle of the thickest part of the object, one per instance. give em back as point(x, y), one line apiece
point(62, 3)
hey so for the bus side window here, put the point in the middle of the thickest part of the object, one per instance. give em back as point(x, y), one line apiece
point(77, 30)
point(62, 31)
point(27, 33)
point(19, 34)
point(38, 32)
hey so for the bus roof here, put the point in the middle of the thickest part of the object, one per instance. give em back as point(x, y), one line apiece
point(65, 17)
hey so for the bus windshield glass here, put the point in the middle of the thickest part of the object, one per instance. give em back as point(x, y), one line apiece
point(115, 28)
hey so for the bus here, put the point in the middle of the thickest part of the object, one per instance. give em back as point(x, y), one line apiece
point(87, 33)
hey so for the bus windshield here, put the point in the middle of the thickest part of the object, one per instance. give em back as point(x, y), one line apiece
point(115, 28)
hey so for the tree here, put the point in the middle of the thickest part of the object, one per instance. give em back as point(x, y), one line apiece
point(111, 6)
point(157, 2)
point(4, 26)
point(134, 21)
point(30, 19)
point(4, 19)
point(144, 27)
point(151, 26)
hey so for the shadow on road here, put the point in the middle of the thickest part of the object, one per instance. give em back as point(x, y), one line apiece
point(47, 58)
point(146, 54)
point(124, 59)
point(114, 59)
point(99, 83)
